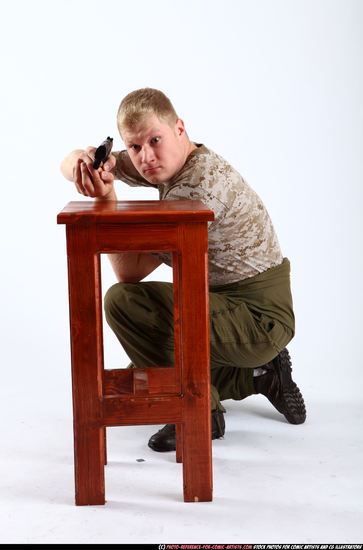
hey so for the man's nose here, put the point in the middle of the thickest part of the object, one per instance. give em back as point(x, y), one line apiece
point(147, 154)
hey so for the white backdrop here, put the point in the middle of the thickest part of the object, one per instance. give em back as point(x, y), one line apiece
point(275, 87)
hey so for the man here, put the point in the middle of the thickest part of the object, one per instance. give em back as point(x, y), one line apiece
point(251, 311)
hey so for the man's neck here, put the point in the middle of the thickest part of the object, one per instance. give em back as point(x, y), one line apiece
point(190, 146)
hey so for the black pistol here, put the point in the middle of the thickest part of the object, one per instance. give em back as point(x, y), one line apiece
point(102, 152)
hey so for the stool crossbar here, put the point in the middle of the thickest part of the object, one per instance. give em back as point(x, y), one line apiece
point(175, 394)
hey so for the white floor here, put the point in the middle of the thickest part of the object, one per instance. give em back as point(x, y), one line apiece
point(273, 482)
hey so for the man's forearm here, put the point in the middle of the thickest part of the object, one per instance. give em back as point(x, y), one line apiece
point(132, 267)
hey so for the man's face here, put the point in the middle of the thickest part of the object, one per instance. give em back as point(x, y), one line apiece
point(156, 149)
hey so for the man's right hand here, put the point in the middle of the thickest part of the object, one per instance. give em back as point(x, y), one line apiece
point(94, 183)
point(77, 167)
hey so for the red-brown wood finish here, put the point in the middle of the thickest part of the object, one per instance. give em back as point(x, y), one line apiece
point(155, 395)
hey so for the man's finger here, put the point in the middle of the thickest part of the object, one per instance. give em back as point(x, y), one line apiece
point(110, 163)
point(106, 177)
point(94, 173)
point(98, 184)
point(79, 189)
point(87, 182)
point(77, 177)
point(91, 152)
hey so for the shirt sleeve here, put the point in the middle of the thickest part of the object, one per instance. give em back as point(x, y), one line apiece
point(125, 171)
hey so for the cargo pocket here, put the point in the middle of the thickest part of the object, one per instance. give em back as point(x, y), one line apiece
point(236, 339)
point(278, 334)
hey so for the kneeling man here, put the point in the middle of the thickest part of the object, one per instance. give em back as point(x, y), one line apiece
point(251, 310)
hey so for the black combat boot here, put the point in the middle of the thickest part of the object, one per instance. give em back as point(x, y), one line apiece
point(165, 439)
point(280, 389)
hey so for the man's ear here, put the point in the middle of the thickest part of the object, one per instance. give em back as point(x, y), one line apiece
point(179, 127)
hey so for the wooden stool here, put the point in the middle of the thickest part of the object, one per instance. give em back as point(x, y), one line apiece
point(164, 395)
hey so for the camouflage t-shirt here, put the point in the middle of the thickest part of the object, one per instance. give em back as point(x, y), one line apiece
point(241, 240)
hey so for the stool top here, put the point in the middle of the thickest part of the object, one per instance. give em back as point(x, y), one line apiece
point(135, 211)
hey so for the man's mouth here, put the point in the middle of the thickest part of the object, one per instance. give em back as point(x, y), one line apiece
point(151, 170)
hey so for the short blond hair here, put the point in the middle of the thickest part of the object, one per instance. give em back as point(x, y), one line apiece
point(137, 105)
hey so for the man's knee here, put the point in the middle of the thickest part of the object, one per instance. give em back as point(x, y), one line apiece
point(117, 299)
point(141, 306)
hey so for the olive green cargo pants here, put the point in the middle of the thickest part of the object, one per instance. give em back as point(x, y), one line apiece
point(251, 321)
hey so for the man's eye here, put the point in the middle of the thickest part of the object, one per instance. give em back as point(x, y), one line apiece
point(155, 140)
point(135, 147)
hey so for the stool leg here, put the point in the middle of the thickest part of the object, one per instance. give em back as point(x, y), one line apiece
point(89, 465)
point(197, 455)
point(87, 364)
point(197, 443)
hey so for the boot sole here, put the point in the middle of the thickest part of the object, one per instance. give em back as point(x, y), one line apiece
point(294, 406)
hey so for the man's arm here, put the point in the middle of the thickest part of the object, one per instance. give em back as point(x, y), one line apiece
point(132, 267)
point(99, 184)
